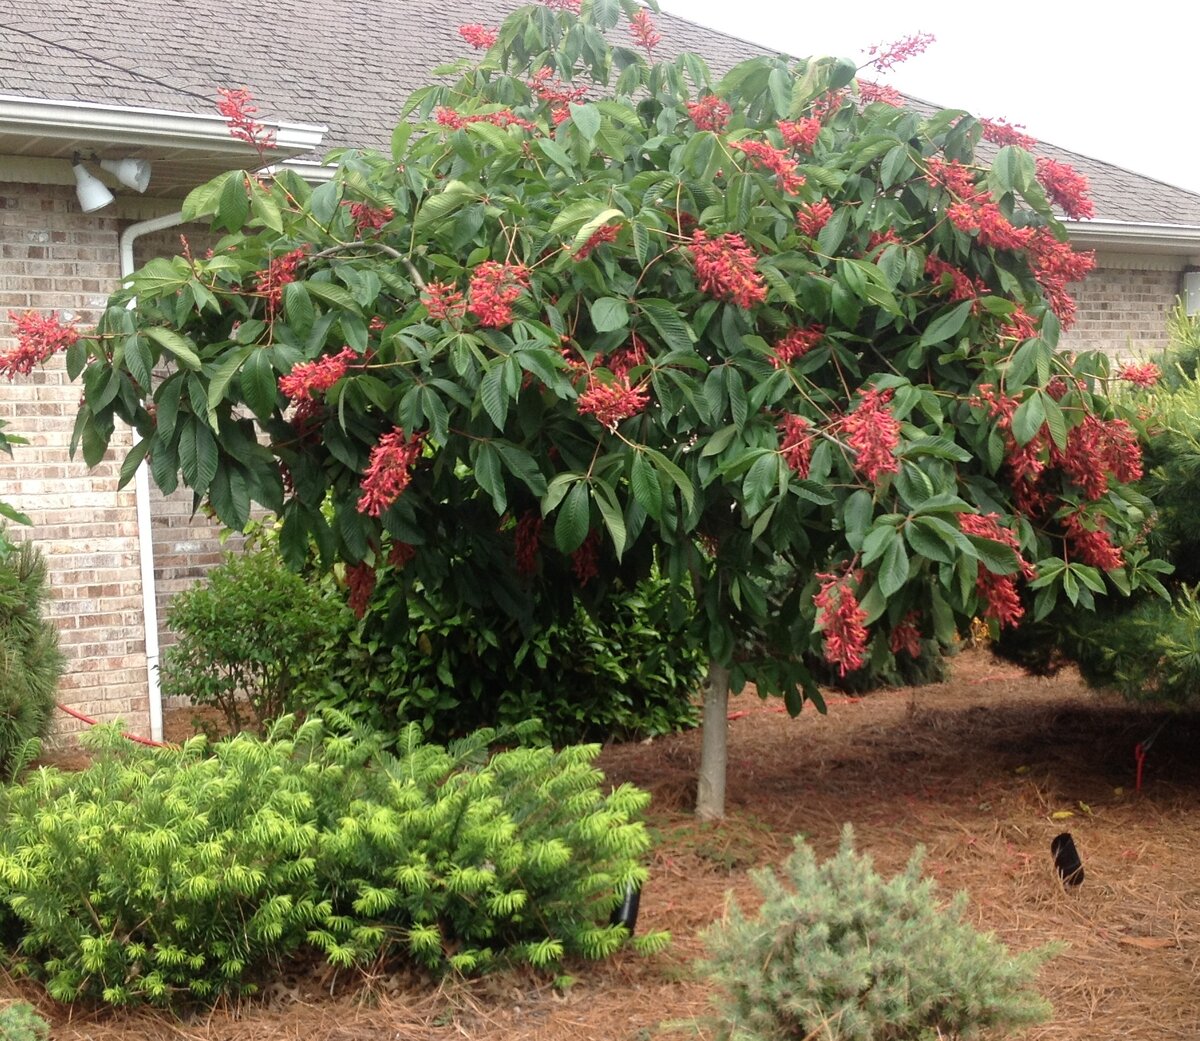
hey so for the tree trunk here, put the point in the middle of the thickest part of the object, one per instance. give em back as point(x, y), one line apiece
point(710, 800)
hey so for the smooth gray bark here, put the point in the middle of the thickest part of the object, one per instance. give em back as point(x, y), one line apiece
point(710, 799)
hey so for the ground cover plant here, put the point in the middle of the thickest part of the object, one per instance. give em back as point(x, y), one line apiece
point(598, 310)
point(183, 876)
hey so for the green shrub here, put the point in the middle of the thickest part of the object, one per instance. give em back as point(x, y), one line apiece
point(171, 875)
point(19, 1021)
point(837, 953)
point(623, 670)
point(30, 662)
point(249, 639)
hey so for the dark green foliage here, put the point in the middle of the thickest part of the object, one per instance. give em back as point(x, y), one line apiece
point(186, 875)
point(30, 662)
point(838, 953)
point(249, 638)
point(19, 1021)
point(624, 670)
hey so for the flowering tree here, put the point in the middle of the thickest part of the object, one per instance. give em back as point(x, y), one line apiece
point(786, 340)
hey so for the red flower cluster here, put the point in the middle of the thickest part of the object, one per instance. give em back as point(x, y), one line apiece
point(906, 637)
point(725, 269)
point(987, 220)
point(998, 592)
point(888, 56)
point(709, 113)
point(800, 133)
point(1002, 132)
point(360, 583)
point(38, 338)
point(841, 618)
point(1025, 461)
point(813, 216)
point(605, 233)
point(630, 357)
point(526, 539)
point(828, 104)
point(1092, 546)
point(367, 218)
point(550, 89)
point(1066, 187)
point(564, 5)
point(796, 438)
point(238, 109)
point(280, 271)
point(503, 118)
point(773, 160)
point(401, 553)
point(644, 31)
point(883, 238)
point(443, 301)
point(796, 344)
point(389, 471)
point(870, 92)
point(962, 286)
point(1055, 265)
point(1095, 449)
point(1019, 326)
point(493, 290)
point(585, 561)
point(311, 379)
point(873, 433)
point(957, 179)
point(478, 36)
point(1146, 374)
point(611, 402)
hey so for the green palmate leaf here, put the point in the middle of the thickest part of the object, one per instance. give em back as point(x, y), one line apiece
point(947, 325)
point(893, 569)
point(614, 520)
point(233, 206)
point(180, 347)
point(647, 491)
point(487, 473)
point(572, 522)
point(1029, 418)
point(609, 314)
point(257, 383)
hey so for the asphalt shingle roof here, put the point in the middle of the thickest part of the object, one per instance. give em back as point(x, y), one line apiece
point(349, 64)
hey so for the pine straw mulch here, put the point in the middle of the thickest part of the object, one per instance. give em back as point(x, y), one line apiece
point(975, 769)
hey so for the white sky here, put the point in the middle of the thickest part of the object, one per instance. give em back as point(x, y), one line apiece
point(1115, 81)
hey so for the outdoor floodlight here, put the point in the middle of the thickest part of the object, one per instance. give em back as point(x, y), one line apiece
point(133, 173)
point(90, 189)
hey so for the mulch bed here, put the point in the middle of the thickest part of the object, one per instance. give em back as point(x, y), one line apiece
point(983, 770)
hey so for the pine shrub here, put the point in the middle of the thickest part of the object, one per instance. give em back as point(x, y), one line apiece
point(186, 875)
point(838, 953)
point(19, 1021)
point(250, 637)
point(30, 662)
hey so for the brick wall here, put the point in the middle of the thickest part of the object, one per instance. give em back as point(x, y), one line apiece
point(1123, 305)
point(55, 258)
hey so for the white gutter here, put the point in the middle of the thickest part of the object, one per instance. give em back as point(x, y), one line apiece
point(1161, 238)
point(149, 127)
point(141, 485)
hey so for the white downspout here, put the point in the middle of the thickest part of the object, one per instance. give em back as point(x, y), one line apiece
point(141, 485)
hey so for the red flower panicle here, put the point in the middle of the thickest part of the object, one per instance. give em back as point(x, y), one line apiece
point(709, 113)
point(1145, 374)
point(493, 290)
point(828, 104)
point(38, 338)
point(311, 379)
point(1066, 187)
point(797, 344)
point(888, 56)
point(873, 433)
point(367, 217)
point(401, 553)
point(585, 561)
point(1096, 448)
point(906, 637)
point(773, 160)
point(526, 539)
point(644, 31)
point(280, 271)
point(478, 36)
point(550, 89)
point(237, 106)
point(621, 362)
point(962, 286)
point(1093, 546)
point(725, 268)
point(389, 471)
point(1002, 132)
point(841, 619)
point(800, 133)
point(870, 92)
point(611, 402)
point(502, 118)
point(998, 592)
point(813, 216)
point(605, 233)
point(443, 301)
point(360, 583)
point(564, 5)
point(957, 179)
point(796, 438)
point(1020, 326)
point(1055, 265)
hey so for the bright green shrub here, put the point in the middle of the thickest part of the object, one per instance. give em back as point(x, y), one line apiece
point(837, 953)
point(187, 875)
point(19, 1021)
point(30, 662)
point(247, 639)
